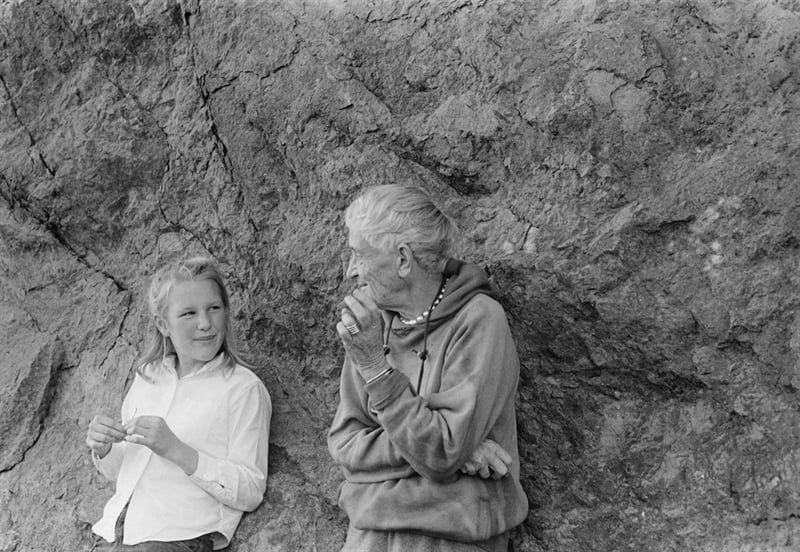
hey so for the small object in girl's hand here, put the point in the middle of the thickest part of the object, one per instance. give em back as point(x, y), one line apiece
point(125, 423)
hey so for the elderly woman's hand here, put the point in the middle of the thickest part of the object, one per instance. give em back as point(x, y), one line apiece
point(361, 331)
point(488, 460)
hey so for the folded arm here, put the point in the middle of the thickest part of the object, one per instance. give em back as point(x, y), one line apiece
point(437, 435)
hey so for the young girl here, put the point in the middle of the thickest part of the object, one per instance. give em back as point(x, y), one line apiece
point(189, 455)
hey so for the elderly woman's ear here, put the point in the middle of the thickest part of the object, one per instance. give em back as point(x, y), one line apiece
point(405, 259)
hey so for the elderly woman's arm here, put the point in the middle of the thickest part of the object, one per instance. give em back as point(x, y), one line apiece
point(360, 445)
point(356, 440)
point(438, 434)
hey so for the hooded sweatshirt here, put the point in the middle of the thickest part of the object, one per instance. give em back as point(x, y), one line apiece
point(401, 448)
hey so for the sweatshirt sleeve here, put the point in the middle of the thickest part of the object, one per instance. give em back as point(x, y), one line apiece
point(356, 440)
point(240, 479)
point(437, 434)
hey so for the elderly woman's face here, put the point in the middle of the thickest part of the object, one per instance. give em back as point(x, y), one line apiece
point(374, 269)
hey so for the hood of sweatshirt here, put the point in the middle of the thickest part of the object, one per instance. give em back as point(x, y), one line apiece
point(464, 281)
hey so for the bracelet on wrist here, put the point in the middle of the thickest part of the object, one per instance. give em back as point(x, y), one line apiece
point(389, 370)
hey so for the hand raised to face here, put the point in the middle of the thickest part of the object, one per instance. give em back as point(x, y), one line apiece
point(361, 327)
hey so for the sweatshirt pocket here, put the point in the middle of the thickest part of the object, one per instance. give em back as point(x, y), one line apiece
point(460, 510)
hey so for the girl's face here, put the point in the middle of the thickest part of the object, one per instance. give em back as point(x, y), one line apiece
point(195, 322)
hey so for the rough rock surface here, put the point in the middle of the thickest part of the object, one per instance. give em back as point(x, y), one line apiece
point(630, 170)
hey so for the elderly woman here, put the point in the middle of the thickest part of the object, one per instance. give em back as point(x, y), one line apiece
point(427, 388)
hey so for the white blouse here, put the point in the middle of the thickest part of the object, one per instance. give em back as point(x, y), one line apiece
point(225, 416)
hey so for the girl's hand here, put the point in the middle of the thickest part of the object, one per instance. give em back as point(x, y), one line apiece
point(103, 432)
point(154, 433)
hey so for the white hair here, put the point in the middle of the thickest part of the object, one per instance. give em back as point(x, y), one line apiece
point(390, 214)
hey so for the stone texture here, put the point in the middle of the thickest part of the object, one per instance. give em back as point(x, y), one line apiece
point(628, 169)
point(27, 374)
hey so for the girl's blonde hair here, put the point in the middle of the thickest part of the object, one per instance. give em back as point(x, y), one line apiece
point(391, 214)
point(188, 270)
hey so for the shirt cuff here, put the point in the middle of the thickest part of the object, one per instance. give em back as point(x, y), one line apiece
point(208, 476)
point(96, 458)
point(106, 464)
point(385, 388)
point(206, 469)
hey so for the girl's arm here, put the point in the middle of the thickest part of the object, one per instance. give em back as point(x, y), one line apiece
point(240, 480)
point(105, 431)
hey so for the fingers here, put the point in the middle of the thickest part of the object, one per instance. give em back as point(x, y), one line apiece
point(497, 451)
point(497, 467)
point(99, 442)
point(355, 309)
point(135, 435)
point(144, 425)
point(136, 439)
point(104, 429)
point(503, 455)
point(497, 458)
point(354, 315)
point(359, 326)
point(489, 460)
point(103, 432)
point(139, 430)
point(103, 421)
point(99, 438)
point(361, 305)
point(152, 432)
point(343, 332)
point(350, 323)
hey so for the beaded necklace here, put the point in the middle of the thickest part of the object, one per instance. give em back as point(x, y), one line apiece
point(425, 316)
point(422, 317)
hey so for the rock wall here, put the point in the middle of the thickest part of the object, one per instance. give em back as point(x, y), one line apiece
point(628, 169)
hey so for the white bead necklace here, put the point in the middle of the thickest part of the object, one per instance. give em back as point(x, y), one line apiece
point(424, 315)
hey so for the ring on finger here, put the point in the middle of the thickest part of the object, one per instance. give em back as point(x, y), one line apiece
point(352, 328)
